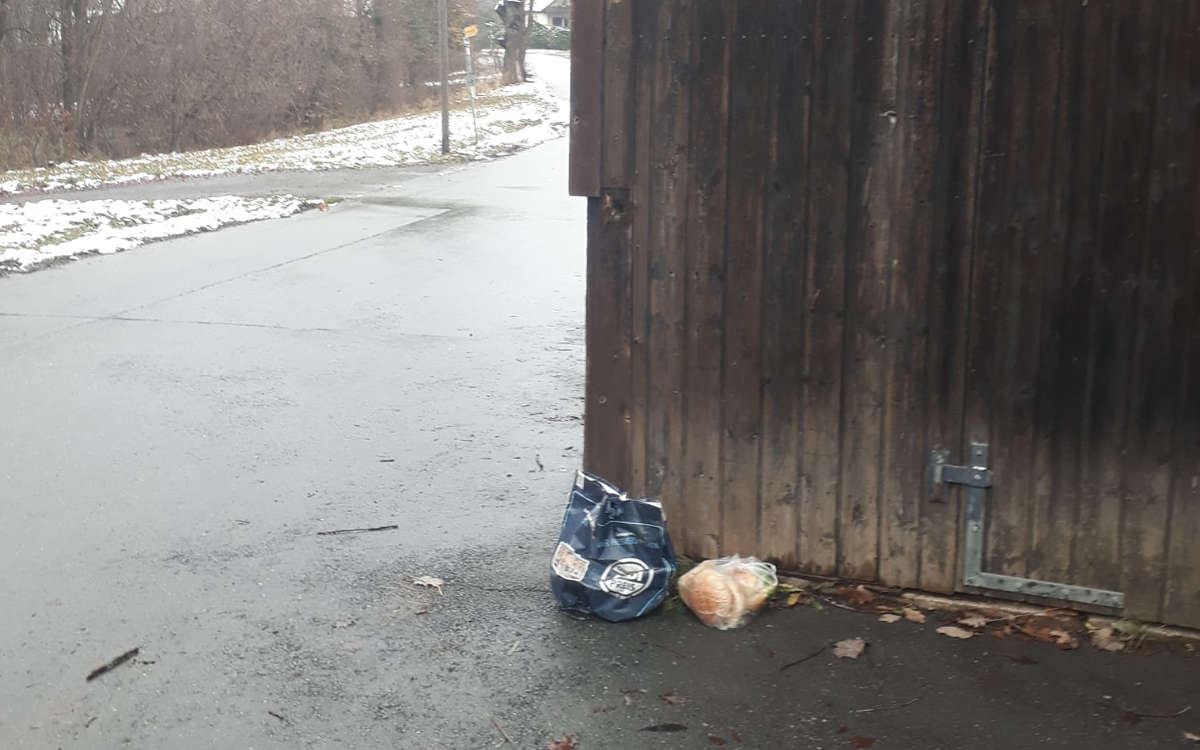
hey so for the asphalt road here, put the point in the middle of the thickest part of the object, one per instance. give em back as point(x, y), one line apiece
point(179, 422)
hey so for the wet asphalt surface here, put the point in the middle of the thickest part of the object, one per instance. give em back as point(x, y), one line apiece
point(177, 424)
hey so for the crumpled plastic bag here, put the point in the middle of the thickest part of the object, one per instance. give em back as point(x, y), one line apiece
point(614, 557)
point(726, 592)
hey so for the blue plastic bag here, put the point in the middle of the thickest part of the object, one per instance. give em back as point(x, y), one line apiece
point(614, 558)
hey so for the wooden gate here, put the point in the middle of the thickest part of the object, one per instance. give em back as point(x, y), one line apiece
point(830, 240)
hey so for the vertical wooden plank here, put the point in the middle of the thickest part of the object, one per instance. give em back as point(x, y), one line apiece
point(645, 44)
point(587, 91)
point(1063, 357)
point(607, 436)
point(1062, 353)
point(606, 439)
point(1181, 602)
point(668, 254)
point(960, 112)
point(829, 157)
point(784, 299)
point(1158, 359)
point(741, 393)
point(705, 289)
point(618, 100)
point(1130, 112)
point(868, 218)
point(1017, 174)
point(905, 410)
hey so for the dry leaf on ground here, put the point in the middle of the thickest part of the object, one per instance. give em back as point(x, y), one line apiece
point(1049, 630)
point(889, 618)
point(973, 620)
point(566, 743)
point(851, 648)
point(344, 623)
point(793, 599)
point(1063, 639)
point(430, 582)
point(955, 632)
point(914, 615)
point(672, 699)
point(1106, 639)
point(859, 594)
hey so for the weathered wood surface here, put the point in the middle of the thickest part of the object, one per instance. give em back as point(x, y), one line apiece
point(827, 237)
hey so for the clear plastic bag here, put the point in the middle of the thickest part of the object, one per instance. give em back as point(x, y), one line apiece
point(726, 592)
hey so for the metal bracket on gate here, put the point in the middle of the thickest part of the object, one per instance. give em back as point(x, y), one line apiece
point(978, 478)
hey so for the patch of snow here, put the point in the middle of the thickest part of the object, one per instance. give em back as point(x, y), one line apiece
point(510, 118)
point(40, 233)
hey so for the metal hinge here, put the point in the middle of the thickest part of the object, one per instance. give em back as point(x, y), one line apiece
point(978, 478)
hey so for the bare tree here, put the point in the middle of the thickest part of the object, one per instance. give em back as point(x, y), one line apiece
point(515, 15)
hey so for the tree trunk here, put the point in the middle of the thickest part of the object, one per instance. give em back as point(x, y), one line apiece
point(69, 49)
point(516, 34)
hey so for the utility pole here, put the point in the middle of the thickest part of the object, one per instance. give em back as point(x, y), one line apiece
point(444, 69)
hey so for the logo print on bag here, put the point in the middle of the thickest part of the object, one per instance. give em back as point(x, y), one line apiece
point(626, 577)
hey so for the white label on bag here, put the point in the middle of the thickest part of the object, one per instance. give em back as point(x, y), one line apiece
point(567, 564)
point(626, 577)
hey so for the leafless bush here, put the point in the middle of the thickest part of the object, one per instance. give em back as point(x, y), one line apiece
point(117, 77)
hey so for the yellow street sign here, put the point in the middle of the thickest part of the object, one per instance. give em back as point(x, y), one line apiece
point(470, 31)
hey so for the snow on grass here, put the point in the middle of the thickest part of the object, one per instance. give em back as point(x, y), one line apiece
point(510, 118)
point(40, 233)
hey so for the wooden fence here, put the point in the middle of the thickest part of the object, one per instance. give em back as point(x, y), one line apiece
point(826, 238)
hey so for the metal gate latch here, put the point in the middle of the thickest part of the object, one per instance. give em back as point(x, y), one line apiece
point(978, 478)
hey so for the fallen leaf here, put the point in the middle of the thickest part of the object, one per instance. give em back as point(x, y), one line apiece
point(889, 618)
point(664, 728)
point(1106, 639)
point(1063, 639)
point(859, 594)
point(973, 620)
point(793, 599)
point(566, 743)
point(1049, 630)
point(672, 699)
point(343, 623)
point(850, 648)
point(858, 741)
point(914, 615)
point(430, 582)
point(1191, 737)
point(714, 739)
point(955, 632)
